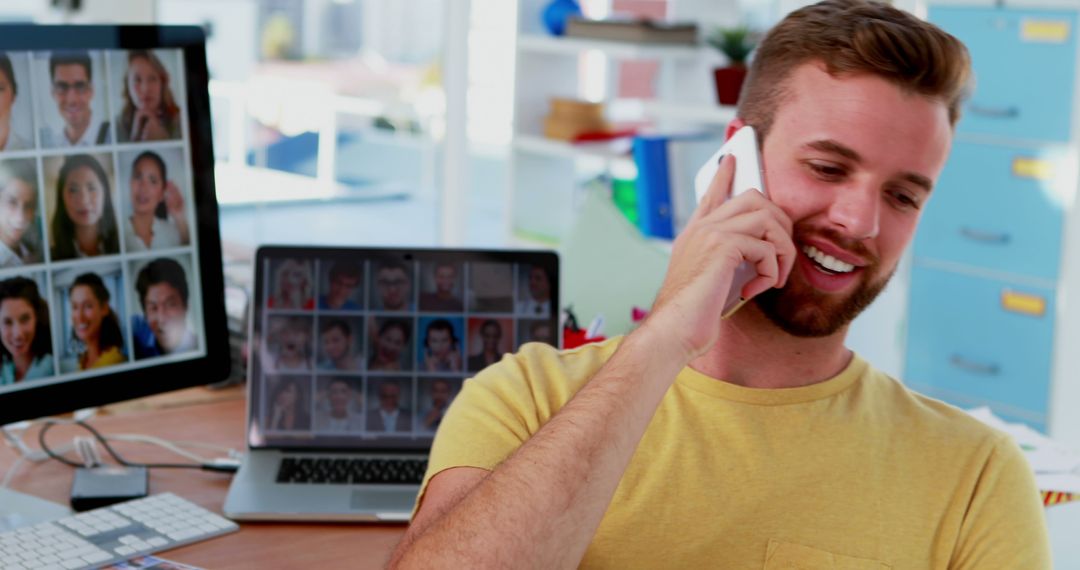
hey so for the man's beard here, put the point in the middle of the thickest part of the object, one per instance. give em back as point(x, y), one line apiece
point(804, 312)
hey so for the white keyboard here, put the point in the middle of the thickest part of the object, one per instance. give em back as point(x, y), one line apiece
point(103, 536)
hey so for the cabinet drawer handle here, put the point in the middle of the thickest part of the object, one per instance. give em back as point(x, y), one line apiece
point(999, 238)
point(976, 367)
point(1010, 112)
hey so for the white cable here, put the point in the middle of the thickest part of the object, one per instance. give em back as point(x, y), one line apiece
point(24, 458)
point(174, 446)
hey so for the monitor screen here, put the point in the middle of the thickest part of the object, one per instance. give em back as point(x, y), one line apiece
point(366, 348)
point(110, 262)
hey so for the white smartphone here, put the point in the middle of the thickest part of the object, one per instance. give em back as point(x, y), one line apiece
point(748, 176)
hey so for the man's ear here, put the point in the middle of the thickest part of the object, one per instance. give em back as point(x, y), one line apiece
point(735, 124)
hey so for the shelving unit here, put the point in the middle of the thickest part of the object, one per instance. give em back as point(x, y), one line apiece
point(546, 176)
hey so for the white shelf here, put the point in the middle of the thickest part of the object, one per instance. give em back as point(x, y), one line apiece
point(613, 150)
point(702, 114)
point(569, 46)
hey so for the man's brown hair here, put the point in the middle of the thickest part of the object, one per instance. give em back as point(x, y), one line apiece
point(856, 37)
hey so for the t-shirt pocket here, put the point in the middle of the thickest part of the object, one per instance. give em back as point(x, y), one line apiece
point(782, 555)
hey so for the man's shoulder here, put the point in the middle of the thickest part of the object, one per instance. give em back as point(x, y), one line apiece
point(546, 372)
point(913, 412)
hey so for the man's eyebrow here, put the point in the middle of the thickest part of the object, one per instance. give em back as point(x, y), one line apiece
point(831, 146)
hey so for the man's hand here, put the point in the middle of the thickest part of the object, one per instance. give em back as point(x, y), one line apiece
point(720, 236)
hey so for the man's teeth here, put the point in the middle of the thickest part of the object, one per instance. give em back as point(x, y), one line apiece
point(827, 261)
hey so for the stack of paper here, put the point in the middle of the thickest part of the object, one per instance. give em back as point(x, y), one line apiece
point(1057, 467)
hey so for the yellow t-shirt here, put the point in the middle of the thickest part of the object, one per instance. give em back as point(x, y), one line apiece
point(108, 358)
point(855, 472)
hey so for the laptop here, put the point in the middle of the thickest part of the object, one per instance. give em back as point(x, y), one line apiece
point(355, 354)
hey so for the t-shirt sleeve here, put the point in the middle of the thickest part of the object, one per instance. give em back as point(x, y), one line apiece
point(486, 422)
point(1004, 526)
point(505, 404)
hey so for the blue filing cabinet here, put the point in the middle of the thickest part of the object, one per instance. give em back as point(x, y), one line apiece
point(991, 270)
point(994, 297)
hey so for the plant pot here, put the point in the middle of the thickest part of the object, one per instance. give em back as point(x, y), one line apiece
point(729, 82)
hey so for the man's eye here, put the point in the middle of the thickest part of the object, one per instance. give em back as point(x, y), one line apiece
point(827, 171)
point(904, 199)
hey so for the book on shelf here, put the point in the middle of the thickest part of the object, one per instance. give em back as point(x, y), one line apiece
point(633, 31)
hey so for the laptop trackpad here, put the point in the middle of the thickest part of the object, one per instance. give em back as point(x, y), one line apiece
point(381, 501)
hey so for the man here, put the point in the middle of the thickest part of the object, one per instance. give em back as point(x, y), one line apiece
point(344, 279)
point(442, 298)
point(73, 90)
point(758, 441)
point(163, 293)
point(490, 346)
point(538, 303)
point(339, 417)
point(337, 346)
point(394, 285)
point(441, 394)
point(387, 415)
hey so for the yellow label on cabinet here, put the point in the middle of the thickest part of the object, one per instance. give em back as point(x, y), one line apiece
point(1023, 303)
point(1044, 31)
point(1025, 167)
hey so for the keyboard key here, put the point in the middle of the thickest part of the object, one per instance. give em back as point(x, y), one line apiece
point(99, 556)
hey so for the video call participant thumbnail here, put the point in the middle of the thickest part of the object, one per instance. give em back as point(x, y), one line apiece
point(338, 344)
point(390, 345)
point(535, 300)
point(20, 229)
point(72, 86)
point(94, 325)
point(289, 343)
point(293, 286)
point(337, 413)
point(162, 289)
point(389, 414)
point(9, 91)
point(158, 217)
point(443, 294)
point(150, 112)
point(343, 279)
point(442, 347)
point(493, 344)
point(84, 224)
point(289, 405)
point(439, 393)
point(393, 286)
point(25, 340)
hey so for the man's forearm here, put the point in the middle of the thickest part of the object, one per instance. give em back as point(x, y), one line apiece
point(542, 506)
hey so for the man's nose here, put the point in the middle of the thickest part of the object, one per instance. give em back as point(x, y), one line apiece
point(856, 210)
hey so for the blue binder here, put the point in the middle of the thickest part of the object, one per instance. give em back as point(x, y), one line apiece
point(653, 186)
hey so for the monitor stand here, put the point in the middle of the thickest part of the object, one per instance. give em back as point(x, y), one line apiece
point(19, 510)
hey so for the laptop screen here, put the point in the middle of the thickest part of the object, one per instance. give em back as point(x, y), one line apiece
point(366, 348)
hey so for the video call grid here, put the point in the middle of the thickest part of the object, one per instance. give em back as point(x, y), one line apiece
point(125, 302)
point(317, 272)
point(362, 400)
point(47, 268)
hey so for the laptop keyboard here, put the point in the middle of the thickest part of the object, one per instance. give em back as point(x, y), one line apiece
point(343, 471)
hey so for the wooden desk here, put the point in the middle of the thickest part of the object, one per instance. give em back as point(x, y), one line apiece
point(256, 545)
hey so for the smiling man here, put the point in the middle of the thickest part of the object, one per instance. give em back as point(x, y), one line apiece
point(163, 292)
point(759, 441)
point(72, 88)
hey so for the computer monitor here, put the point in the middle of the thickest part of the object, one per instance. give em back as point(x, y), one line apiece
point(110, 256)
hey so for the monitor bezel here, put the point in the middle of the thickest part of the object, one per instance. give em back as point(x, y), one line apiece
point(31, 402)
point(545, 258)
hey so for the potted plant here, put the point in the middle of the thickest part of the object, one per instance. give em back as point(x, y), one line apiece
point(736, 44)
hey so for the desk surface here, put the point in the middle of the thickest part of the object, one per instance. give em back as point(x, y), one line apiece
point(256, 545)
